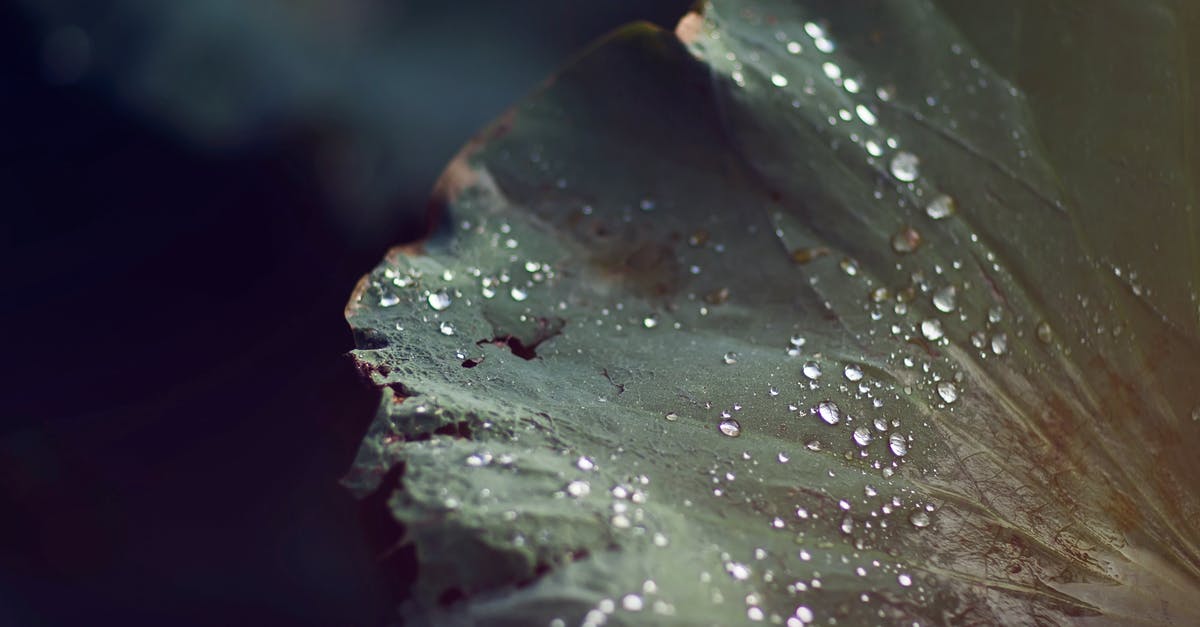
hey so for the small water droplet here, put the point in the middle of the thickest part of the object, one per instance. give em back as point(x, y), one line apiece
point(650, 321)
point(906, 240)
point(579, 488)
point(439, 300)
point(773, 391)
point(946, 299)
point(919, 519)
point(853, 372)
point(829, 412)
point(862, 436)
point(794, 47)
point(446, 328)
point(849, 266)
point(865, 114)
point(388, 299)
point(804, 614)
point(904, 580)
point(585, 463)
point(880, 294)
point(1196, 414)
point(812, 370)
point(942, 206)
point(905, 166)
point(831, 70)
point(741, 572)
point(1044, 333)
point(518, 293)
point(783, 458)
point(729, 358)
point(898, 445)
point(778, 80)
point(632, 603)
point(646, 204)
point(671, 416)
point(932, 329)
point(730, 427)
point(948, 391)
point(847, 525)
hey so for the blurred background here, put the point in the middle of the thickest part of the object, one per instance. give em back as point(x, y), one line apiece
point(190, 190)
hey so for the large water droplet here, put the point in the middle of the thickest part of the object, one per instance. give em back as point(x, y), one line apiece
point(1044, 333)
point(906, 240)
point(919, 519)
point(932, 329)
point(518, 293)
point(946, 299)
point(905, 166)
point(829, 412)
point(446, 328)
point(812, 370)
point(862, 436)
point(439, 300)
point(898, 445)
point(730, 427)
point(942, 206)
point(853, 372)
point(948, 391)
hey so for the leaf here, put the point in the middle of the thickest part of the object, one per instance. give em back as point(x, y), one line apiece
point(819, 315)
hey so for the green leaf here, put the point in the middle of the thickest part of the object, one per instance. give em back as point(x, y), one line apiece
point(837, 311)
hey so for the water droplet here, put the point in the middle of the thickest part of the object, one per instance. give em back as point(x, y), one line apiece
point(948, 391)
point(880, 294)
point(783, 458)
point(853, 372)
point(1000, 343)
point(650, 321)
point(730, 427)
point(831, 70)
point(847, 525)
point(646, 204)
point(671, 416)
point(862, 436)
point(518, 293)
point(898, 445)
point(579, 488)
point(906, 240)
point(812, 370)
point(794, 47)
point(1196, 414)
point(446, 328)
point(388, 299)
point(849, 266)
point(829, 412)
point(741, 572)
point(881, 424)
point(946, 299)
point(585, 463)
point(730, 358)
point(905, 166)
point(919, 519)
point(804, 614)
point(632, 603)
point(1044, 333)
point(439, 300)
point(932, 329)
point(773, 391)
point(778, 80)
point(865, 114)
point(904, 580)
point(942, 206)
point(797, 341)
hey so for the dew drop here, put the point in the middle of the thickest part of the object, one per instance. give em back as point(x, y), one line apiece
point(862, 436)
point(438, 300)
point(829, 412)
point(804, 614)
point(730, 427)
point(388, 299)
point(919, 519)
point(1000, 343)
point(906, 240)
point(948, 391)
point(773, 391)
point(730, 358)
point(741, 572)
point(932, 329)
point(812, 370)
point(904, 580)
point(831, 70)
point(794, 47)
point(778, 80)
point(585, 463)
point(1044, 333)
point(518, 294)
point(905, 166)
point(853, 372)
point(446, 328)
point(898, 445)
point(865, 115)
point(650, 321)
point(671, 416)
point(942, 206)
point(632, 603)
point(579, 488)
point(946, 299)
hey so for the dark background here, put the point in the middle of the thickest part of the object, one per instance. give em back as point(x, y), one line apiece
point(190, 190)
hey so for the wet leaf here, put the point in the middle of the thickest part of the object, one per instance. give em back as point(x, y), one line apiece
point(815, 311)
